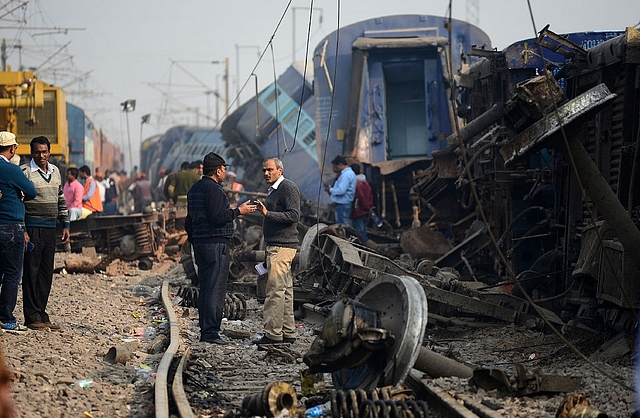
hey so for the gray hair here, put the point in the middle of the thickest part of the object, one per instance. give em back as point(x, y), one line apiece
point(277, 162)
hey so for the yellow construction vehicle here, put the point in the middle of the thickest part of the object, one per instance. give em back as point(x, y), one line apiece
point(30, 107)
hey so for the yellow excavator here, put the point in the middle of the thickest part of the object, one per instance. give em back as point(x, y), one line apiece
point(30, 107)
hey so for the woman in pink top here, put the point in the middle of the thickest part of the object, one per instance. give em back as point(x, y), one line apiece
point(73, 192)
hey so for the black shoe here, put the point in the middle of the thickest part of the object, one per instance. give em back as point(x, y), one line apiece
point(288, 340)
point(265, 340)
point(219, 340)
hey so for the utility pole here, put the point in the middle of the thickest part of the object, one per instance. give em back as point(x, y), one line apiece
point(238, 69)
point(3, 54)
point(226, 87)
point(293, 29)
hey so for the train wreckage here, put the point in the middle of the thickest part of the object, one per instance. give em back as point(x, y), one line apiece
point(528, 214)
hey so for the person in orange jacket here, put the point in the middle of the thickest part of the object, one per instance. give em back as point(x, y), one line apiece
point(91, 201)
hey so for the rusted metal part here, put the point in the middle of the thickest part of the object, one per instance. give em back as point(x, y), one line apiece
point(351, 333)
point(445, 405)
point(437, 365)
point(274, 398)
point(560, 44)
point(541, 133)
point(347, 268)
point(235, 304)
point(136, 235)
point(476, 126)
point(606, 261)
point(576, 405)
point(467, 248)
point(622, 48)
point(102, 265)
point(545, 133)
point(379, 402)
point(526, 383)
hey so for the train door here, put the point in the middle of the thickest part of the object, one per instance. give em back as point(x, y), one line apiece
point(406, 112)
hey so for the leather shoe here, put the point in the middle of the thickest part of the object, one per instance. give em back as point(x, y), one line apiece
point(52, 326)
point(219, 340)
point(289, 340)
point(39, 326)
point(266, 340)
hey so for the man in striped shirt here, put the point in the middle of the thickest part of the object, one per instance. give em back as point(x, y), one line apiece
point(42, 214)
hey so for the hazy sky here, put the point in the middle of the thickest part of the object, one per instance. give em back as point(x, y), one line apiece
point(107, 51)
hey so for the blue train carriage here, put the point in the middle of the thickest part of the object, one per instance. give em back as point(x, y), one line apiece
point(179, 144)
point(278, 122)
point(383, 97)
point(494, 78)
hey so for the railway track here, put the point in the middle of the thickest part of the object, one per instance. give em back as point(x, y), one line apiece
point(199, 379)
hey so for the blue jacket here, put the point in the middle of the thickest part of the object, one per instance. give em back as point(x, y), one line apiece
point(344, 189)
point(14, 185)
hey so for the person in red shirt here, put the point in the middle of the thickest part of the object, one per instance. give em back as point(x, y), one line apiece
point(362, 204)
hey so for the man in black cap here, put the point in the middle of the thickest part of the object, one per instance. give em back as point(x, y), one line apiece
point(209, 225)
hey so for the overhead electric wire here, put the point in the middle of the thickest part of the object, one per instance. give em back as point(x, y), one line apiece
point(326, 141)
point(304, 79)
point(277, 101)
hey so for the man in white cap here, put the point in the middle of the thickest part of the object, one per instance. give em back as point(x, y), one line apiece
point(15, 188)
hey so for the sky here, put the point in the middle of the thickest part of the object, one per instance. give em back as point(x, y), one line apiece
point(169, 55)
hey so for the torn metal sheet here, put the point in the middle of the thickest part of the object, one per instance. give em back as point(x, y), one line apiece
point(534, 137)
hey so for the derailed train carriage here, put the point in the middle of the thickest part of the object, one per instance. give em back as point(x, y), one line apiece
point(403, 84)
point(553, 215)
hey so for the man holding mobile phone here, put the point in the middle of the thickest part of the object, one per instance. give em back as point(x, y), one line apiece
point(15, 187)
point(281, 210)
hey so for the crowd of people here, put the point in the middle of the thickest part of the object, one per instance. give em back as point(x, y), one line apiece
point(116, 193)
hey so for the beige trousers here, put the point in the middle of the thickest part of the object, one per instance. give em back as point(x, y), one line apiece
point(279, 321)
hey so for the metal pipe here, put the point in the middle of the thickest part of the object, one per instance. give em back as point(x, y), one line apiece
point(597, 188)
point(395, 204)
point(383, 201)
point(437, 365)
point(476, 126)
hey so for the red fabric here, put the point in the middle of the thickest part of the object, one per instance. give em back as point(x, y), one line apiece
point(364, 200)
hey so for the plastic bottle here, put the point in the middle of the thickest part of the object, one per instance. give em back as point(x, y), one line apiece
point(149, 333)
point(82, 383)
point(319, 410)
point(375, 218)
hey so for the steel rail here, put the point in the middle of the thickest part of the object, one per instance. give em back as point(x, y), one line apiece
point(179, 396)
point(161, 389)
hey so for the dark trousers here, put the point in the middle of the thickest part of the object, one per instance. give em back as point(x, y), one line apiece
point(38, 274)
point(11, 256)
point(213, 269)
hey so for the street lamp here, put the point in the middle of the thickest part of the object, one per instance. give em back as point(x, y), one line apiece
point(257, 48)
point(129, 106)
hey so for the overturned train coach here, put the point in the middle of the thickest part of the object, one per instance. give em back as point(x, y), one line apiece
point(497, 202)
point(556, 182)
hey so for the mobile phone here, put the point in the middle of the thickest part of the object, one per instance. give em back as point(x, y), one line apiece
point(30, 246)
